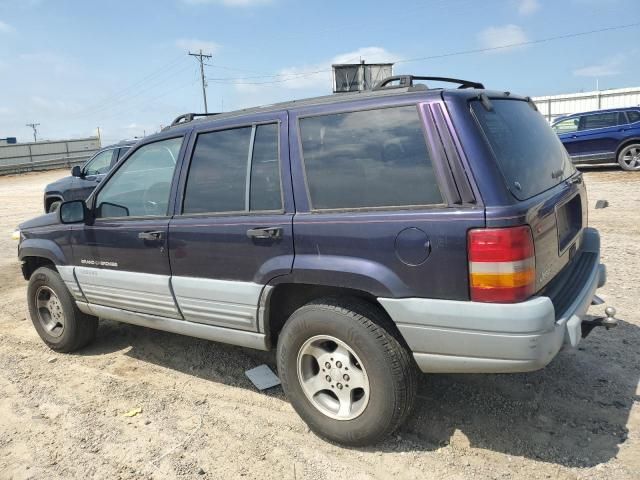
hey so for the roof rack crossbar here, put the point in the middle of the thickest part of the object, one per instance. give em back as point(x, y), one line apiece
point(188, 117)
point(408, 81)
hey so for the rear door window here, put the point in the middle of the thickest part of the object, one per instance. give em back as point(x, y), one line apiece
point(528, 152)
point(234, 170)
point(368, 159)
point(600, 120)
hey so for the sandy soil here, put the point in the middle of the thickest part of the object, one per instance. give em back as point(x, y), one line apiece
point(62, 416)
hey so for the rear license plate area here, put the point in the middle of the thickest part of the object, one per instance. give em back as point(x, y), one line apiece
point(569, 221)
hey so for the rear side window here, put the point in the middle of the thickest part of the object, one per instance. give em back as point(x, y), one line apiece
point(222, 164)
point(528, 152)
point(633, 116)
point(601, 120)
point(368, 159)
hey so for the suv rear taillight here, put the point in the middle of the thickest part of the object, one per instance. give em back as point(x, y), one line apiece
point(502, 265)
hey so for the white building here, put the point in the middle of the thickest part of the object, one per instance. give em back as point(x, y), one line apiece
point(553, 106)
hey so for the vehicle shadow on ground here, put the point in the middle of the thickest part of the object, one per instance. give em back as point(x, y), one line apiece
point(572, 413)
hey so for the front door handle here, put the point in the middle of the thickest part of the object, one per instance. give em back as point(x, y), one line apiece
point(265, 233)
point(152, 236)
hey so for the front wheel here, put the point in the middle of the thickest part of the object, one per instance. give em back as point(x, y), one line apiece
point(629, 157)
point(55, 315)
point(345, 371)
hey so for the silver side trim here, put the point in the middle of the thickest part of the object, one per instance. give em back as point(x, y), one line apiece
point(66, 273)
point(138, 292)
point(207, 332)
point(218, 302)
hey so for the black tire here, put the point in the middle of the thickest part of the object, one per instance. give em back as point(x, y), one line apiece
point(78, 329)
point(54, 206)
point(389, 366)
point(628, 158)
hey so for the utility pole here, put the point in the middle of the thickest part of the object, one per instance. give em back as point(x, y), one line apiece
point(35, 130)
point(201, 56)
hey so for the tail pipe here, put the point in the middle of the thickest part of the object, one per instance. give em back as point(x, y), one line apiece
point(608, 321)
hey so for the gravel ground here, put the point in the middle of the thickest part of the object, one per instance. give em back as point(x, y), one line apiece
point(62, 416)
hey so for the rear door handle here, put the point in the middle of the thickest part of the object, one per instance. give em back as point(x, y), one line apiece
point(265, 232)
point(152, 236)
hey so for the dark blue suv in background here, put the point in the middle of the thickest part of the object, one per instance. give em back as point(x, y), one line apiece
point(602, 136)
point(84, 178)
point(367, 235)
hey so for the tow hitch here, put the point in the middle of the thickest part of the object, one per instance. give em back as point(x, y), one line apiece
point(608, 321)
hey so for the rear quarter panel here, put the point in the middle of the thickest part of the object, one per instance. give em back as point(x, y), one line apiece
point(359, 248)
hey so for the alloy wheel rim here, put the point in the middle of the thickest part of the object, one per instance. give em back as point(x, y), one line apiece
point(333, 378)
point(631, 157)
point(49, 311)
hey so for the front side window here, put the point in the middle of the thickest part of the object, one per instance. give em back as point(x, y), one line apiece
point(100, 164)
point(566, 126)
point(234, 170)
point(141, 186)
point(600, 120)
point(368, 159)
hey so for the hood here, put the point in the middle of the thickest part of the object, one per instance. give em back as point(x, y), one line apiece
point(60, 185)
point(41, 221)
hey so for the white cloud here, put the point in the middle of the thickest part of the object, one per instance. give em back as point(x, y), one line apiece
point(196, 45)
point(316, 76)
point(228, 3)
point(502, 38)
point(609, 67)
point(6, 28)
point(527, 7)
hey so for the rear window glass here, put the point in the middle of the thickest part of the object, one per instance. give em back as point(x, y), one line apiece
point(368, 159)
point(529, 154)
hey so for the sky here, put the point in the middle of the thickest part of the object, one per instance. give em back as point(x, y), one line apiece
point(123, 66)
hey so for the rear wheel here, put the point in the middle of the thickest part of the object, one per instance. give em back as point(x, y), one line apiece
point(629, 157)
point(55, 315)
point(345, 370)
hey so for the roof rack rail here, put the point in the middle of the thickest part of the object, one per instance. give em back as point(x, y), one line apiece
point(188, 117)
point(408, 80)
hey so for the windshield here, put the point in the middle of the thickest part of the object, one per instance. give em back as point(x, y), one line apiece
point(529, 154)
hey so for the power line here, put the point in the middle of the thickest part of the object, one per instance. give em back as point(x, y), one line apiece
point(296, 76)
point(201, 56)
point(520, 44)
point(120, 94)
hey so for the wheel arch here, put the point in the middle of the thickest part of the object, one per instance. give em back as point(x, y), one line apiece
point(49, 199)
point(626, 143)
point(279, 301)
point(35, 253)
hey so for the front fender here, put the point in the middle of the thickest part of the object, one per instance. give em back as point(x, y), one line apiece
point(346, 272)
point(43, 248)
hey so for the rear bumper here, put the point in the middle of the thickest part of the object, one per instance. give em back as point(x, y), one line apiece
point(448, 336)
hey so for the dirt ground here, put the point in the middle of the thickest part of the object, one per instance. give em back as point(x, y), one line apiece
point(62, 416)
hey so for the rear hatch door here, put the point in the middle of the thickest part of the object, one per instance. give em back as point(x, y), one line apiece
point(546, 191)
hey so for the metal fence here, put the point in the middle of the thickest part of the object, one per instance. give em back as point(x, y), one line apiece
point(554, 106)
point(24, 157)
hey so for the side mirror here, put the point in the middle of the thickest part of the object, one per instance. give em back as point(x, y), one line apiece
point(76, 171)
point(74, 211)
